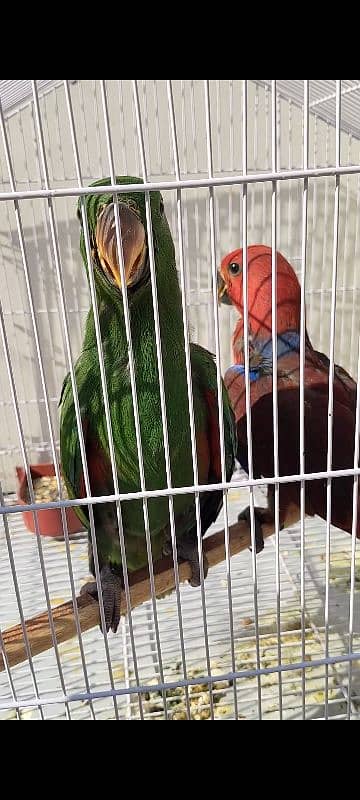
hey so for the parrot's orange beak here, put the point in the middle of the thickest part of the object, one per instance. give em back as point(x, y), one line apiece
point(223, 296)
point(133, 240)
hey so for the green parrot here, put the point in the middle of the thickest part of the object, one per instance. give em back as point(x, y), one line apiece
point(101, 219)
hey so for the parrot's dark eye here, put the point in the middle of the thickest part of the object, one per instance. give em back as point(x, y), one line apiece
point(161, 207)
point(234, 268)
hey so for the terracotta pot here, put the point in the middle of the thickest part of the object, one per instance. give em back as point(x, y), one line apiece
point(49, 520)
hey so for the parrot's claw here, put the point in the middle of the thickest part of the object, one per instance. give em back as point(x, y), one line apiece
point(112, 585)
point(260, 516)
point(187, 550)
point(195, 579)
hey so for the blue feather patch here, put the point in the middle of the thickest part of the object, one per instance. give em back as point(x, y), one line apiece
point(287, 342)
point(254, 374)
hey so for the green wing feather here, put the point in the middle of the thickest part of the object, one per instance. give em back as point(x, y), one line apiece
point(204, 370)
point(71, 463)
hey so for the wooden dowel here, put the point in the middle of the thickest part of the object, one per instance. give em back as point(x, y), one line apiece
point(38, 628)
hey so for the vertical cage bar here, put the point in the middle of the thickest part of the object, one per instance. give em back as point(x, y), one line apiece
point(218, 352)
point(248, 395)
point(331, 387)
point(356, 289)
point(343, 355)
point(9, 676)
point(302, 379)
point(353, 535)
point(196, 203)
point(274, 148)
point(323, 294)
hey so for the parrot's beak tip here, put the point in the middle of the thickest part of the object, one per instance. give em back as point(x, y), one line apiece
point(222, 293)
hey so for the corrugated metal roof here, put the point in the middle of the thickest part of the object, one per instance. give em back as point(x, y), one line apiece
point(14, 92)
point(322, 96)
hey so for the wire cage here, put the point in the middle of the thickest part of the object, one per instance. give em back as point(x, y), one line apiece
point(238, 163)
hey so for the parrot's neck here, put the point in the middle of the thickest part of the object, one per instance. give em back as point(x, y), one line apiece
point(261, 353)
point(287, 342)
point(113, 334)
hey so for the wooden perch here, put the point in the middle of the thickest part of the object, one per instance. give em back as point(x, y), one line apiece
point(38, 628)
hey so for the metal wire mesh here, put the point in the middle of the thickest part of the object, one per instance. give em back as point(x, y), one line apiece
point(238, 162)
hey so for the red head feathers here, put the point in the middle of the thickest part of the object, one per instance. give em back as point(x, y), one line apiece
point(259, 290)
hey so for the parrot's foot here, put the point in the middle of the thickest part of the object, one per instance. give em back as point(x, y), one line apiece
point(261, 515)
point(112, 585)
point(187, 550)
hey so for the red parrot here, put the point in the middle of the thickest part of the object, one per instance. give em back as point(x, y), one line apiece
point(316, 381)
